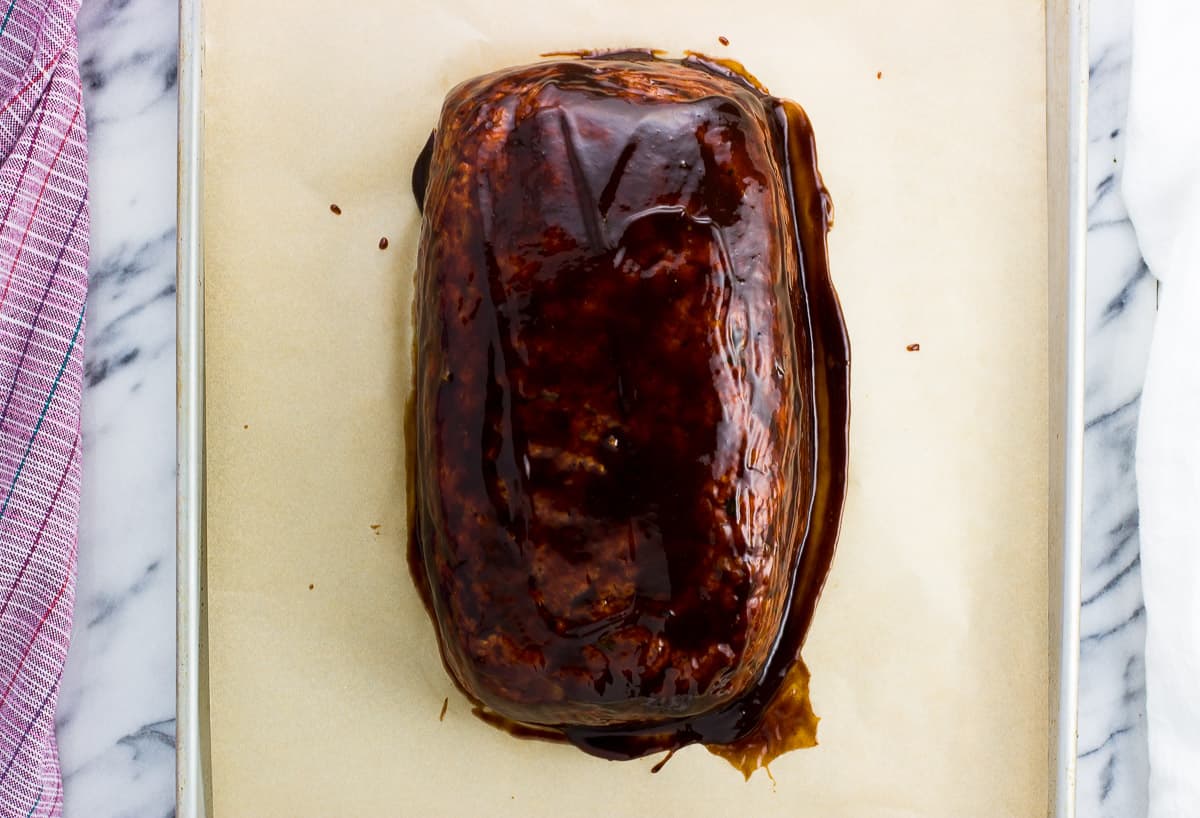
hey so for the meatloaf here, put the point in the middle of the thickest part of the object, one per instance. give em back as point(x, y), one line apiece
point(631, 397)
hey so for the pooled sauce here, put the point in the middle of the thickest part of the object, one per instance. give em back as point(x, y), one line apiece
point(631, 405)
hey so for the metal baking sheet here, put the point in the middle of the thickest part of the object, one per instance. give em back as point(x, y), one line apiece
point(1066, 102)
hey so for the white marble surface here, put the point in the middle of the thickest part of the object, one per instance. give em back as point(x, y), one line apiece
point(1121, 306)
point(117, 707)
point(116, 717)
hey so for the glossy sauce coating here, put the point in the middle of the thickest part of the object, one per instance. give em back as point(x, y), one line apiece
point(631, 403)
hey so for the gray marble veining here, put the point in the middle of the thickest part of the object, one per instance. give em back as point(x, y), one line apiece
point(1120, 317)
point(116, 714)
point(116, 717)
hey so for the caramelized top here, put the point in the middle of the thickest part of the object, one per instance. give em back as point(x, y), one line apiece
point(631, 399)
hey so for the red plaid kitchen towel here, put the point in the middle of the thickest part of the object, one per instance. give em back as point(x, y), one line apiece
point(43, 285)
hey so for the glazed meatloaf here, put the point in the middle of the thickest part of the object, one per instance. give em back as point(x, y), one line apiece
point(630, 399)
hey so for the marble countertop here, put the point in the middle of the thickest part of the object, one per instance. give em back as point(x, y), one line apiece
point(1121, 303)
point(116, 713)
point(116, 717)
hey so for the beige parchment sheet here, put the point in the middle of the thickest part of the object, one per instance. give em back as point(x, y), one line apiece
point(929, 649)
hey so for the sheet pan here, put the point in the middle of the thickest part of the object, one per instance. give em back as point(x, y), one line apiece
point(1065, 98)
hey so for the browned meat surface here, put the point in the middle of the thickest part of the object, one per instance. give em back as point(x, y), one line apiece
point(619, 424)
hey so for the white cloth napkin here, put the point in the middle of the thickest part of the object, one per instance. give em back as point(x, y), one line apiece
point(1162, 190)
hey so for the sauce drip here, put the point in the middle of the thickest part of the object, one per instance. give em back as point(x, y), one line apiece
point(624, 511)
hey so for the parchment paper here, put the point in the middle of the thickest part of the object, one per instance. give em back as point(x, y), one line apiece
point(928, 653)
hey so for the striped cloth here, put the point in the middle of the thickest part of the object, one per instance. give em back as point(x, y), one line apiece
point(43, 285)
